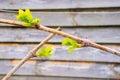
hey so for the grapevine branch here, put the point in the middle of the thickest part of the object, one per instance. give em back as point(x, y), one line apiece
point(29, 55)
point(84, 42)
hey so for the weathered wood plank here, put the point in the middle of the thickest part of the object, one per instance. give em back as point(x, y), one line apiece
point(58, 4)
point(72, 18)
point(63, 69)
point(28, 35)
point(81, 54)
point(100, 35)
point(51, 78)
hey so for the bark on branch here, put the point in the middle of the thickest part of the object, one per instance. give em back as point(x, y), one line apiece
point(84, 42)
point(28, 56)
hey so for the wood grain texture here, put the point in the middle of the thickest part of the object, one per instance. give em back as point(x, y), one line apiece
point(81, 54)
point(58, 4)
point(72, 18)
point(63, 69)
point(51, 78)
point(100, 35)
point(84, 63)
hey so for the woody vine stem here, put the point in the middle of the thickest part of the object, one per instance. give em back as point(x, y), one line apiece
point(29, 55)
point(84, 42)
point(27, 19)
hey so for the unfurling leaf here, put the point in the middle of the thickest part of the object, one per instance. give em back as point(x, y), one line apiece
point(47, 51)
point(35, 21)
point(28, 24)
point(26, 16)
point(71, 43)
point(21, 16)
point(71, 49)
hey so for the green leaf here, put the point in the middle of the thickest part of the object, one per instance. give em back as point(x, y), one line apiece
point(22, 16)
point(68, 42)
point(71, 49)
point(71, 43)
point(44, 52)
point(18, 17)
point(21, 12)
point(48, 49)
point(36, 21)
point(28, 15)
point(28, 24)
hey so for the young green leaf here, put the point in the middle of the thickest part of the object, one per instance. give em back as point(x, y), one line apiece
point(21, 16)
point(68, 42)
point(27, 24)
point(71, 43)
point(26, 17)
point(35, 21)
point(47, 51)
point(71, 49)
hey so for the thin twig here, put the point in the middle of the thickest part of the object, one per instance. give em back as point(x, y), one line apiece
point(29, 55)
point(84, 42)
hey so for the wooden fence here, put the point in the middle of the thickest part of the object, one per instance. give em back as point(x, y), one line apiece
point(97, 20)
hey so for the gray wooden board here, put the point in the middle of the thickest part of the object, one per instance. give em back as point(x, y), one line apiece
point(58, 4)
point(63, 69)
point(60, 53)
point(72, 18)
point(100, 35)
point(51, 78)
